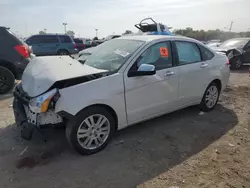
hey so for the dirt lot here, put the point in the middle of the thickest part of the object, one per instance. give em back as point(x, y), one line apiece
point(182, 149)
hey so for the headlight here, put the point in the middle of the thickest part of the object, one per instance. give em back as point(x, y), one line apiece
point(41, 103)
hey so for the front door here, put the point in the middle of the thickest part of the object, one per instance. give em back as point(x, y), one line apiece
point(148, 96)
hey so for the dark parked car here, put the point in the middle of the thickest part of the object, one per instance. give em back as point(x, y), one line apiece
point(110, 37)
point(79, 44)
point(237, 50)
point(14, 56)
point(52, 44)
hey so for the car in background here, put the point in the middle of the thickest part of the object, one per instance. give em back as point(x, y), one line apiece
point(237, 51)
point(14, 57)
point(110, 37)
point(87, 42)
point(52, 44)
point(79, 44)
point(125, 81)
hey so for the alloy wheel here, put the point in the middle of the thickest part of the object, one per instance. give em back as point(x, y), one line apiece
point(211, 96)
point(93, 131)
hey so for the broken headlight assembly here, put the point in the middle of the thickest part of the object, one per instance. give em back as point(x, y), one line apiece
point(42, 103)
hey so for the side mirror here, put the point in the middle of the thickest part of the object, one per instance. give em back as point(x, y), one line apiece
point(143, 70)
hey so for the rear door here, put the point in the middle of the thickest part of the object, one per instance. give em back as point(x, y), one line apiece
point(194, 72)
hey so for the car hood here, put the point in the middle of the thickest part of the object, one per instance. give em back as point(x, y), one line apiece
point(219, 49)
point(42, 72)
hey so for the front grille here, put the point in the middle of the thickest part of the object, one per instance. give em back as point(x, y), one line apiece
point(21, 95)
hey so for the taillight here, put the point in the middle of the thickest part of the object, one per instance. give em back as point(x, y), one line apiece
point(228, 63)
point(22, 50)
point(74, 45)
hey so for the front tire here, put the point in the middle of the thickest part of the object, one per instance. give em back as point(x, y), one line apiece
point(91, 130)
point(210, 97)
point(7, 80)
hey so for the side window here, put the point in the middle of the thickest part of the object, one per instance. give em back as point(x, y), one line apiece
point(158, 55)
point(248, 45)
point(206, 53)
point(32, 40)
point(65, 39)
point(48, 39)
point(188, 52)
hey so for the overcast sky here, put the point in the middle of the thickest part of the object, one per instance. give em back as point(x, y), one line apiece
point(27, 17)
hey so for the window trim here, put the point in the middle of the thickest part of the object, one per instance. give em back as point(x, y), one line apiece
point(142, 51)
point(200, 46)
point(177, 56)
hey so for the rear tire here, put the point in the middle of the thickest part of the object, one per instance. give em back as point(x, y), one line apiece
point(210, 97)
point(87, 139)
point(7, 80)
point(62, 52)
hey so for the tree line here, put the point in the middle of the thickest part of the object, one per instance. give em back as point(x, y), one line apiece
point(210, 34)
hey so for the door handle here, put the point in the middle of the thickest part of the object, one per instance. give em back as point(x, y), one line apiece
point(204, 65)
point(169, 73)
point(57, 44)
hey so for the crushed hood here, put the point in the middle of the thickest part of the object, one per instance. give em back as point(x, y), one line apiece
point(42, 72)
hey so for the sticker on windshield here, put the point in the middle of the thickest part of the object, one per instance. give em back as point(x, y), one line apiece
point(163, 52)
point(121, 53)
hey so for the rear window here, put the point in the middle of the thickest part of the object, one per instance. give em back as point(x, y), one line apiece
point(14, 39)
point(65, 39)
point(206, 53)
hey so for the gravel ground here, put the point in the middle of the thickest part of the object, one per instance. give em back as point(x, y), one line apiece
point(182, 149)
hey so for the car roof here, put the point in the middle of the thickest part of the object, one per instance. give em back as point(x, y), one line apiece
point(50, 35)
point(149, 38)
point(243, 38)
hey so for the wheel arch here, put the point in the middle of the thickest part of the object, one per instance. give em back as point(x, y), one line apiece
point(105, 106)
point(217, 82)
point(8, 65)
point(62, 49)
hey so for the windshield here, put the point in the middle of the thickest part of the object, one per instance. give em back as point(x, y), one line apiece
point(112, 54)
point(235, 43)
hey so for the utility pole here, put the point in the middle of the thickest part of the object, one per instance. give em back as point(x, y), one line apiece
point(65, 25)
point(96, 32)
point(231, 25)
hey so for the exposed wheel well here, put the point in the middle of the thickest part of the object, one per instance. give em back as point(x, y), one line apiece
point(218, 83)
point(64, 50)
point(111, 110)
point(8, 65)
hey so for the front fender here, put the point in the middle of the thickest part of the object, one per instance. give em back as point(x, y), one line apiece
point(107, 90)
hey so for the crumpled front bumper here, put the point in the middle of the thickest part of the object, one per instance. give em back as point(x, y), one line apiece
point(21, 120)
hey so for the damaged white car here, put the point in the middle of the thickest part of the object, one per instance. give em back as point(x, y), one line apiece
point(125, 81)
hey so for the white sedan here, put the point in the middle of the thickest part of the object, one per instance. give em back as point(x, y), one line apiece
point(125, 81)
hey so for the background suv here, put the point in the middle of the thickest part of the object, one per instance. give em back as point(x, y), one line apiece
point(14, 56)
point(52, 44)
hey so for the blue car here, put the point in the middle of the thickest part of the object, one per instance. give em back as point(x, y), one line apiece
point(52, 44)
